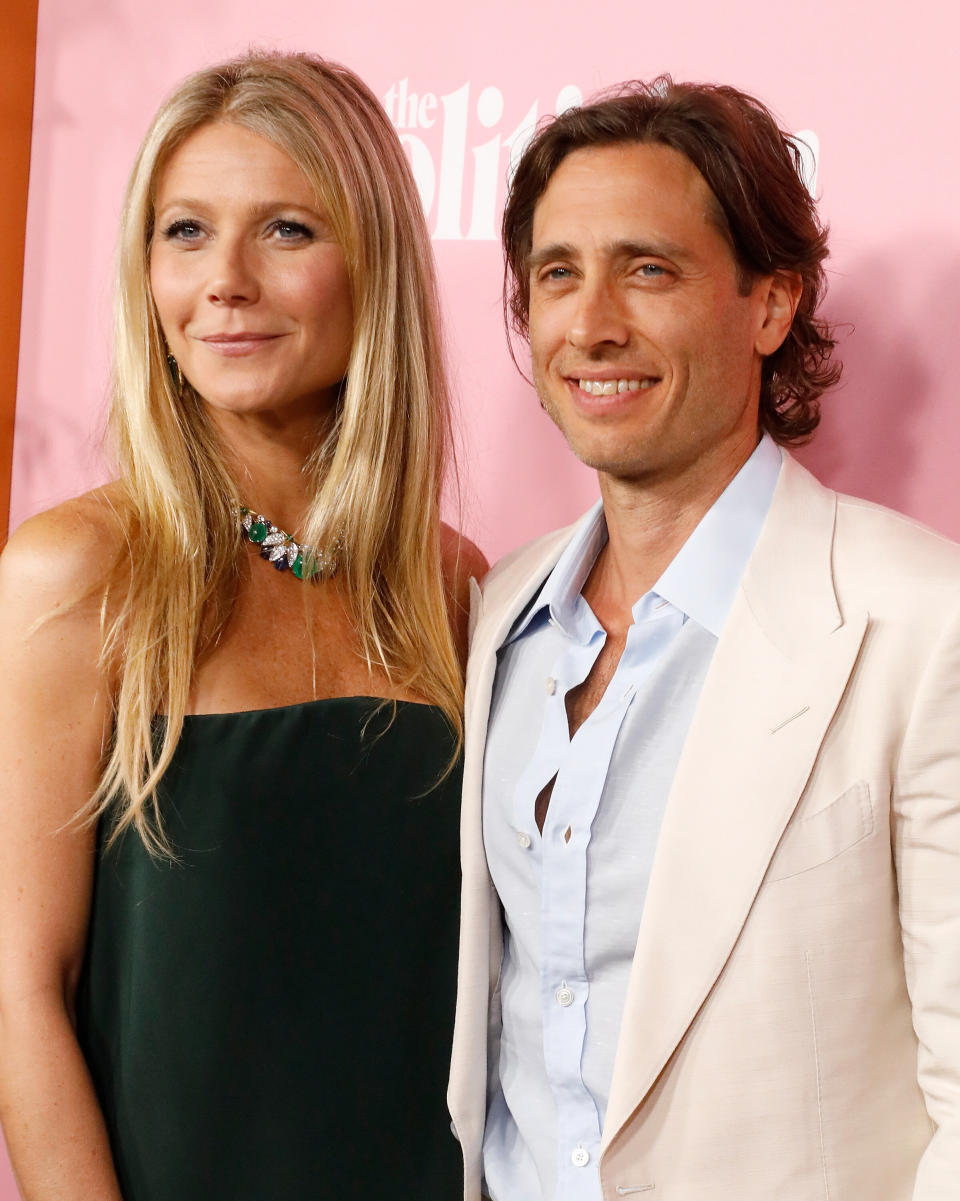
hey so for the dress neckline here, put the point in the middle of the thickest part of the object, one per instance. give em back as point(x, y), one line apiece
point(358, 700)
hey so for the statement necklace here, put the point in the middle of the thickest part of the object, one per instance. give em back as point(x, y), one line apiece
point(283, 551)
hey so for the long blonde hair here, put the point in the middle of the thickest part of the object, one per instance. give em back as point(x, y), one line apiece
point(378, 474)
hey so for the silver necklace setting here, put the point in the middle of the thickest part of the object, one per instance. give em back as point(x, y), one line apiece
point(284, 551)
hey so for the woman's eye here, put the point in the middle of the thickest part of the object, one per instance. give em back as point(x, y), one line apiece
point(291, 231)
point(183, 230)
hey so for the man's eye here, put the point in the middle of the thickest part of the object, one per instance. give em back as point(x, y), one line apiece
point(557, 273)
point(651, 271)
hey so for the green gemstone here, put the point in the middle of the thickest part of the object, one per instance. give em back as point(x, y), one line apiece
point(257, 531)
point(297, 568)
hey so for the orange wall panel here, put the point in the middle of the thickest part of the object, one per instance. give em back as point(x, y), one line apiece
point(17, 61)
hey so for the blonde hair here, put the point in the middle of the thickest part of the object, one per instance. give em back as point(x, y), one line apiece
point(378, 474)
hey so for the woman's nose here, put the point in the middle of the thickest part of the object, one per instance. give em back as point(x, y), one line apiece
point(233, 278)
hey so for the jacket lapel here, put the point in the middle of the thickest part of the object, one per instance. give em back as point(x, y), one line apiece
point(508, 590)
point(777, 676)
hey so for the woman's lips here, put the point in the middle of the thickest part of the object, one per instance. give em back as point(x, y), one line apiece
point(233, 345)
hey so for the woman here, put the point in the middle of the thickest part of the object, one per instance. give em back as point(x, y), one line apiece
point(235, 978)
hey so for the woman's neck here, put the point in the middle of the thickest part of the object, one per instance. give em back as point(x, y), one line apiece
point(268, 459)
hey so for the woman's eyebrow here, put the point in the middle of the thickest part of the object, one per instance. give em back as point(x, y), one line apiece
point(262, 208)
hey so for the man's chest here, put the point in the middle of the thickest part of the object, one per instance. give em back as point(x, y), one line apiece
point(582, 699)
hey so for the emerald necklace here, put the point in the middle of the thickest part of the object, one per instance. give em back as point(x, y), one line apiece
point(283, 551)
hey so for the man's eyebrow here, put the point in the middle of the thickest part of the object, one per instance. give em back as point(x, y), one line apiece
point(654, 248)
point(625, 248)
point(547, 254)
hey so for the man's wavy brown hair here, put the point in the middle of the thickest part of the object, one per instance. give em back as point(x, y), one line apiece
point(764, 208)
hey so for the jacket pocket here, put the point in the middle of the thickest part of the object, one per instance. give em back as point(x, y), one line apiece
point(823, 836)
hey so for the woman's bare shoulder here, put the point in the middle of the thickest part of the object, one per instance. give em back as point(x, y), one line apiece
point(62, 553)
point(462, 560)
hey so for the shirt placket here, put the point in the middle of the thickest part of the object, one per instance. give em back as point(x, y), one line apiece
point(580, 769)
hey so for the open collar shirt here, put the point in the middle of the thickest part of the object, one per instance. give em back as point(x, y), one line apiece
point(573, 896)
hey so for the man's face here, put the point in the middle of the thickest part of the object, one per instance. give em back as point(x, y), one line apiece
point(645, 351)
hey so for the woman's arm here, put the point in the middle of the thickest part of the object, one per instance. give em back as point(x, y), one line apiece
point(54, 718)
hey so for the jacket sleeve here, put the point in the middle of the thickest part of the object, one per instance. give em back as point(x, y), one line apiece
point(926, 848)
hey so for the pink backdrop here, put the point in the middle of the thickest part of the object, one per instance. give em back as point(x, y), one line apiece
point(877, 88)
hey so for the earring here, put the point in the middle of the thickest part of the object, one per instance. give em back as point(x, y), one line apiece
point(176, 375)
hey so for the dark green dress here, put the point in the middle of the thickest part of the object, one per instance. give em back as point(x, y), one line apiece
point(271, 1017)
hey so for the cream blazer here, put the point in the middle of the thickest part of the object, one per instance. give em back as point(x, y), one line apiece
point(791, 1030)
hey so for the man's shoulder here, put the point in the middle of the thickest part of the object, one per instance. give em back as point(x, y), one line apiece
point(880, 543)
point(881, 561)
point(533, 557)
point(868, 539)
point(855, 514)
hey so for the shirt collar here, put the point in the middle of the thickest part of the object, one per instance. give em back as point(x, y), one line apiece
point(559, 598)
point(704, 575)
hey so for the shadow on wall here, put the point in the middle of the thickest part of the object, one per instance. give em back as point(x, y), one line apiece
point(523, 471)
point(893, 417)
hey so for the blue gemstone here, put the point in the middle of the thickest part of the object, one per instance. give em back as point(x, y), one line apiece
point(281, 564)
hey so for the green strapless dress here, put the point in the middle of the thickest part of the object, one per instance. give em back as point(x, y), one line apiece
point(271, 1017)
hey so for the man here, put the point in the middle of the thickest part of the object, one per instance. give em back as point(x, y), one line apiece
point(711, 906)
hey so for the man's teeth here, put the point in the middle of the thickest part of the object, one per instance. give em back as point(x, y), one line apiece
point(609, 387)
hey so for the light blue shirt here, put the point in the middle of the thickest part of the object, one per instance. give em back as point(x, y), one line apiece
point(573, 896)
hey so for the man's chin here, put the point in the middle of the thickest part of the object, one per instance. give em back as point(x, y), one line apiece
point(616, 465)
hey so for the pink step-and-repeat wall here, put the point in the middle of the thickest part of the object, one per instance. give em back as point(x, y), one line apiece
point(875, 85)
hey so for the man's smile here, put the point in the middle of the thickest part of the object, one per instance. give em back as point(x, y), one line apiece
point(610, 387)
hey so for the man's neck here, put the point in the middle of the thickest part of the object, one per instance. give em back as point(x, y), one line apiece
point(648, 521)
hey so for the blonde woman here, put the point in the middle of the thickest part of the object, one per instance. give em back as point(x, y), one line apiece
point(230, 716)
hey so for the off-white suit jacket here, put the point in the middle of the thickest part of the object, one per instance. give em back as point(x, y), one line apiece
point(791, 1030)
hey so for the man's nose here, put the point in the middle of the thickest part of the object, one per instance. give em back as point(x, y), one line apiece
point(599, 317)
point(233, 277)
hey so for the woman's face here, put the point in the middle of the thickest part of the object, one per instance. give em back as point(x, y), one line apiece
point(250, 286)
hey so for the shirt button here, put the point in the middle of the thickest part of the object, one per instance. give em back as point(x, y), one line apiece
point(564, 995)
point(551, 685)
point(580, 1158)
point(523, 840)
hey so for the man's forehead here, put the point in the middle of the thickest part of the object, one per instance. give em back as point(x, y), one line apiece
point(632, 192)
